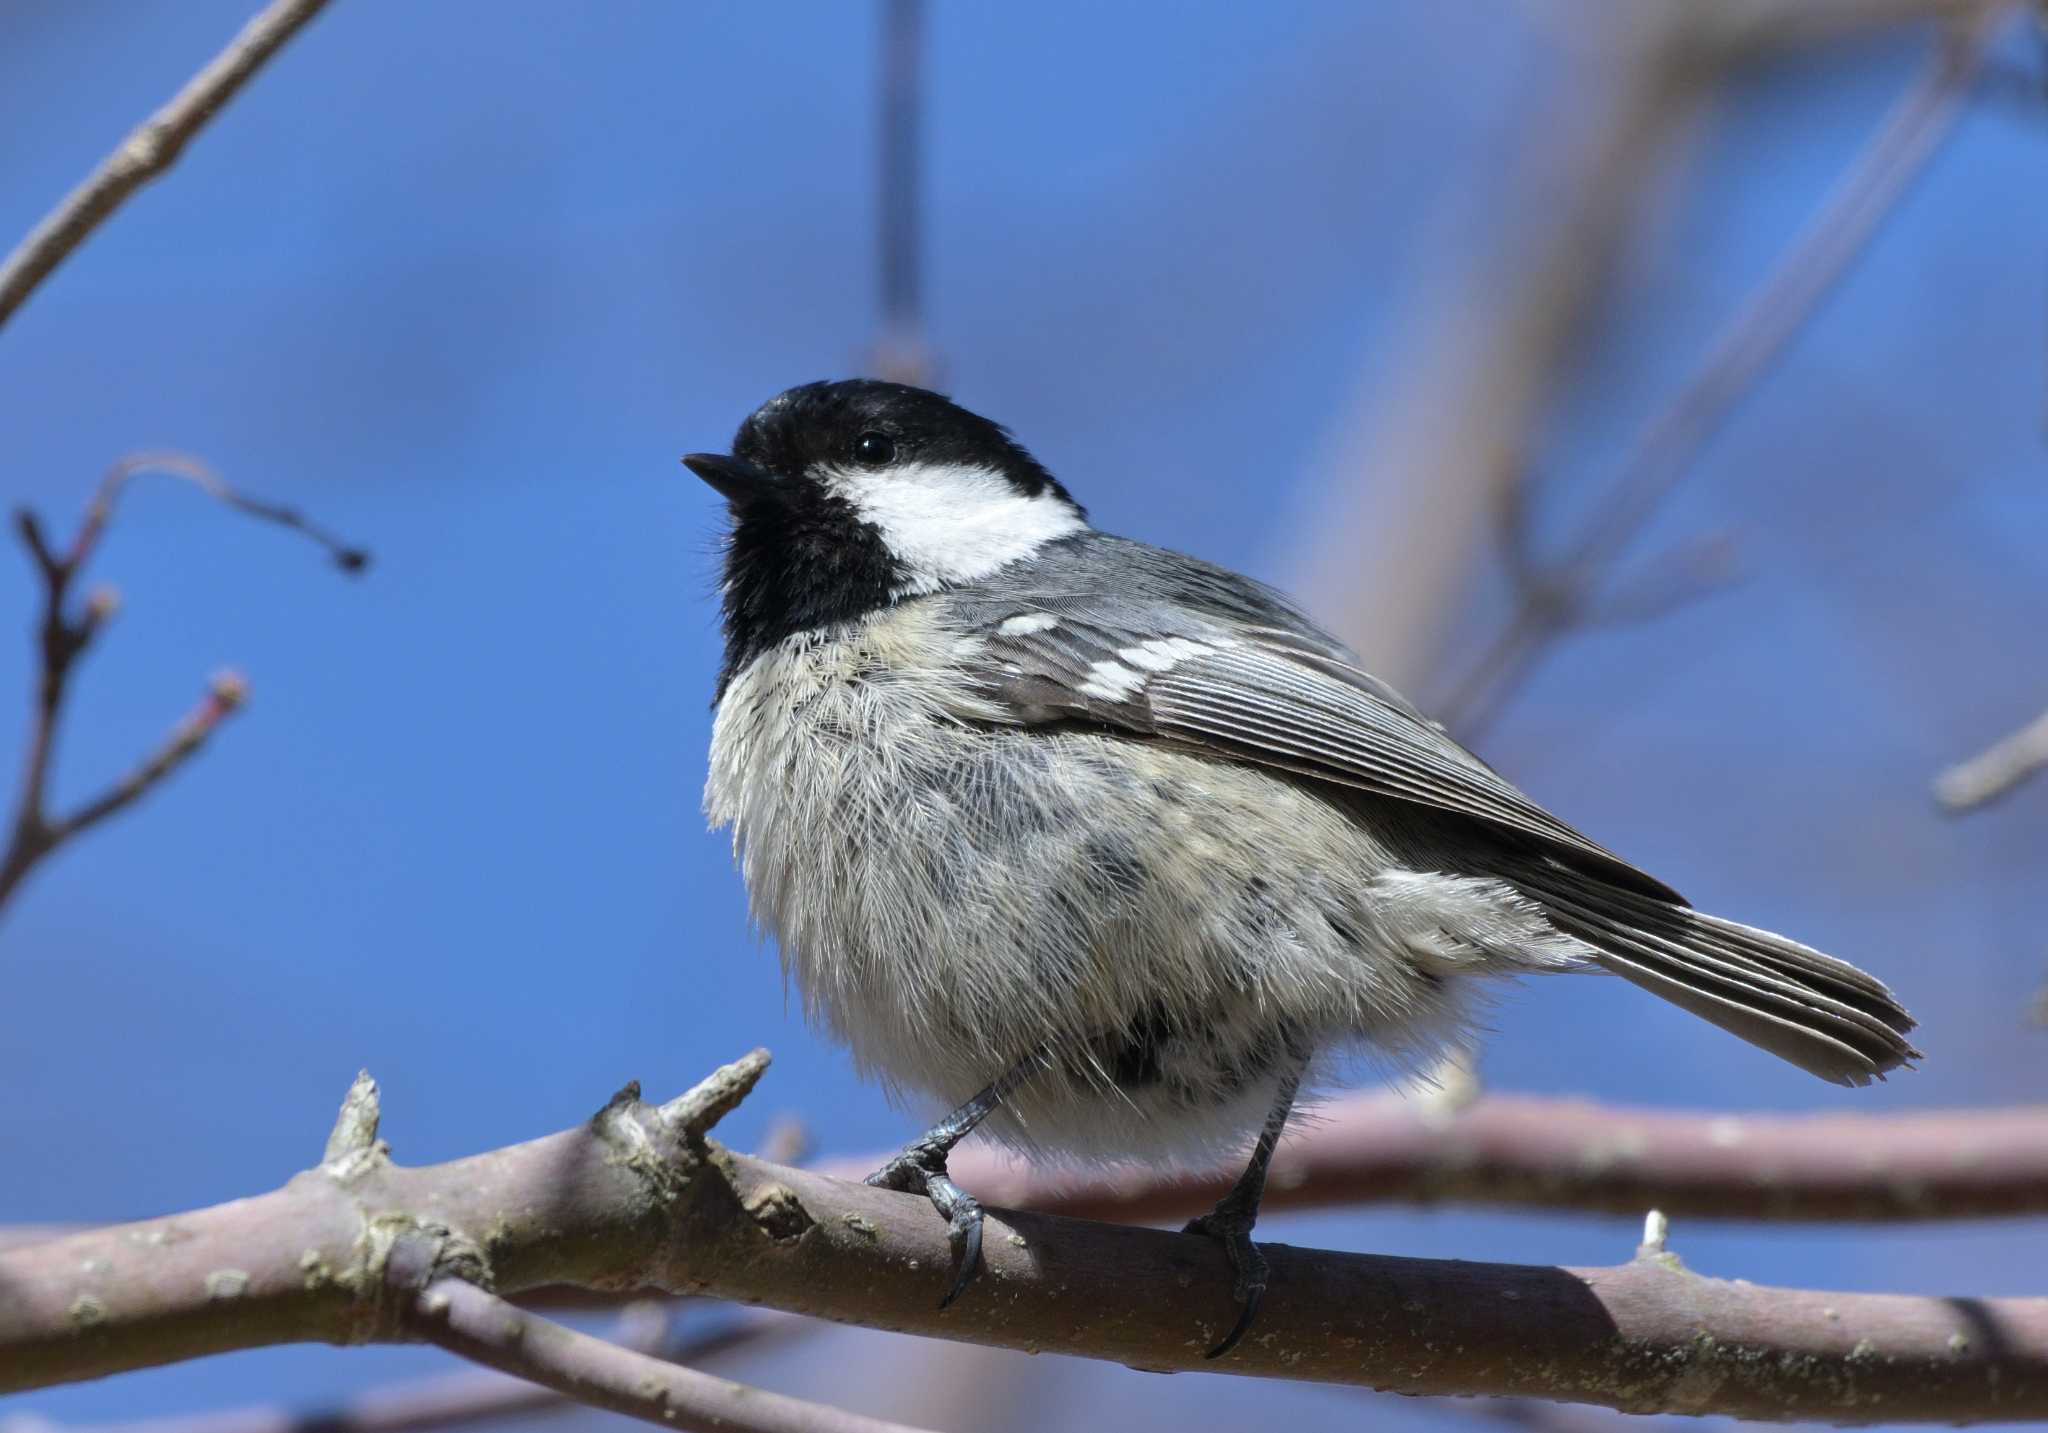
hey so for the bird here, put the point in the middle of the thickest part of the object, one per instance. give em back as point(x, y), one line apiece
point(1115, 852)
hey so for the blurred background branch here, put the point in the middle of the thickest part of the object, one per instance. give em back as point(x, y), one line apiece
point(1470, 411)
point(1996, 770)
point(902, 351)
point(1470, 395)
point(1557, 597)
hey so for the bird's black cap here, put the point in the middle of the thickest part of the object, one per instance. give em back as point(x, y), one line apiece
point(824, 423)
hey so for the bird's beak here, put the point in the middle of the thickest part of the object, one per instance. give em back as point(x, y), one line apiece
point(736, 481)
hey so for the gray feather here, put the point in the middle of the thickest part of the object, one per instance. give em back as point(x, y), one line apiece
point(1119, 635)
point(1249, 677)
point(1824, 1015)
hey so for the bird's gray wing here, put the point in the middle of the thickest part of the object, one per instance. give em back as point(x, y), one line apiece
point(1257, 686)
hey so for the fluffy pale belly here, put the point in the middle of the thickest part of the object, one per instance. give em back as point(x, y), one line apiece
point(950, 898)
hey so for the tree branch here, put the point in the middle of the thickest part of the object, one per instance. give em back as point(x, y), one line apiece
point(1384, 561)
point(1746, 30)
point(1751, 341)
point(224, 695)
point(62, 639)
point(1524, 1152)
point(640, 1198)
point(902, 351)
point(1474, 387)
point(1997, 769)
point(465, 1395)
point(148, 151)
point(1532, 1152)
point(465, 1319)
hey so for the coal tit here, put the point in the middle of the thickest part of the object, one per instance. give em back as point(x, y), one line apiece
point(1123, 841)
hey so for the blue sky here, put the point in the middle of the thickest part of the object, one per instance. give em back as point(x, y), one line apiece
point(463, 281)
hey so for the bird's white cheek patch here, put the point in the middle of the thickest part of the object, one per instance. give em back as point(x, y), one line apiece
point(949, 524)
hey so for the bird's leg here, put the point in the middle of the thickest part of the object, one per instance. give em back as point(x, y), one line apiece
point(921, 1169)
point(1230, 1222)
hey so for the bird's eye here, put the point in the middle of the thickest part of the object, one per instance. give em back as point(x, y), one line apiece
point(874, 450)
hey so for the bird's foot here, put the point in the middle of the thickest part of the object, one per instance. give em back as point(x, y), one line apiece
point(1230, 1224)
point(921, 1169)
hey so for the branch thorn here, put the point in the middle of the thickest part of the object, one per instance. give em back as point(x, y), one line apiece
point(355, 1128)
point(717, 1095)
point(1656, 1236)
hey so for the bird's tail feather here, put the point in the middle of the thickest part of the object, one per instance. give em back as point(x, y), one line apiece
point(1822, 1014)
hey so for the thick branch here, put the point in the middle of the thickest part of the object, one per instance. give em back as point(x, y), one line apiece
point(639, 1198)
point(1532, 1153)
point(148, 151)
point(1576, 1156)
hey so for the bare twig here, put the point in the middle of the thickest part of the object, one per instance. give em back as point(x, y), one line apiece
point(186, 468)
point(465, 1319)
point(1753, 339)
point(225, 694)
point(639, 1198)
point(63, 638)
point(1996, 770)
point(148, 151)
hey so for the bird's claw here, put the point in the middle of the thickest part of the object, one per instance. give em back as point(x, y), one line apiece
point(963, 1227)
point(1232, 1228)
point(910, 1172)
point(921, 1169)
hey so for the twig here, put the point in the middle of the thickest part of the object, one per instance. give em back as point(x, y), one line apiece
point(639, 1197)
point(225, 694)
point(63, 638)
point(148, 151)
point(1753, 339)
point(1996, 770)
point(465, 1319)
point(346, 556)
